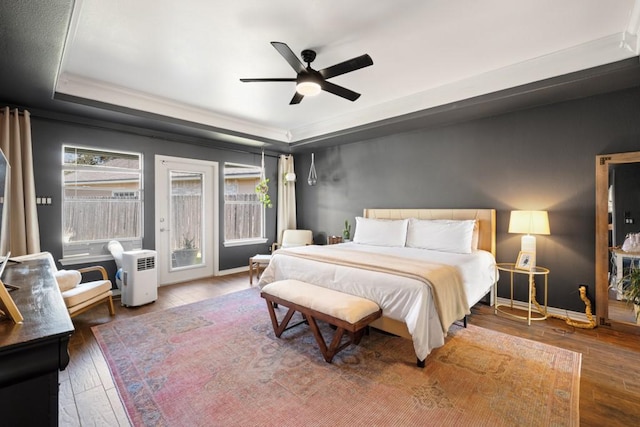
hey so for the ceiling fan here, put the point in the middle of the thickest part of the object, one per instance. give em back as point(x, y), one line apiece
point(310, 82)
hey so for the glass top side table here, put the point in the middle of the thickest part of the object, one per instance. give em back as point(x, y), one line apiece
point(532, 273)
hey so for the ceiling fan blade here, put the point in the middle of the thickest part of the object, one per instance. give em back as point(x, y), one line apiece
point(296, 99)
point(340, 91)
point(267, 80)
point(347, 66)
point(289, 56)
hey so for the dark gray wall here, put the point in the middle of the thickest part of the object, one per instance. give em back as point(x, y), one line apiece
point(542, 158)
point(48, 137)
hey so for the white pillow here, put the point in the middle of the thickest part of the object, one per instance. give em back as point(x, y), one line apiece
point(67, 279)
point(380, 232)
point(441, 235)
point(476, 236)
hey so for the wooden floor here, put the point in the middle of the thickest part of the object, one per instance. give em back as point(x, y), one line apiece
point(609, 387)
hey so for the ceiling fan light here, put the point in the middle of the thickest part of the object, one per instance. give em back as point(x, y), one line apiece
point(308, 88)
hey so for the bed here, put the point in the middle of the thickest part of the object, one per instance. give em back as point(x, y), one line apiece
point(423, 279)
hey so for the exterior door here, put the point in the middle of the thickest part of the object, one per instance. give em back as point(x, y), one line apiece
point(186, 218)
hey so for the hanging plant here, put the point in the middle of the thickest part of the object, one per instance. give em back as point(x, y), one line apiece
point(262, 190)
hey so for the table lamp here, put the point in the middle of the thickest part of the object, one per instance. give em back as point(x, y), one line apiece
point(528, 223)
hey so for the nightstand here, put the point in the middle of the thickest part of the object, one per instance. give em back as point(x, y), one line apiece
point(535, 271)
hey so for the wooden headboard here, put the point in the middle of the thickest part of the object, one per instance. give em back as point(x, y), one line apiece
point(486, 220)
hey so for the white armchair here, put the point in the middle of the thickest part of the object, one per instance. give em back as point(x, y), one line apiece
point(291, 238)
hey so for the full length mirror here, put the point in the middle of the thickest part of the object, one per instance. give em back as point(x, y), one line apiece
point(617, 246)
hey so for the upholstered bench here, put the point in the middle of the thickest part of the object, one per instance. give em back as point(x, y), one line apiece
point(348, 313)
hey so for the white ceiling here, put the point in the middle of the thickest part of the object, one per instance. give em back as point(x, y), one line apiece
point(184, 59)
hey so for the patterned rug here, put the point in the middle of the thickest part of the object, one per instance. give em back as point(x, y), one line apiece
point(218, 363)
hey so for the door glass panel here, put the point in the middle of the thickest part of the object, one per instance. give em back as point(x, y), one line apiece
point(186, 227)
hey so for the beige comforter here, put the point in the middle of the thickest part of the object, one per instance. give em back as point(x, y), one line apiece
point(444, 281)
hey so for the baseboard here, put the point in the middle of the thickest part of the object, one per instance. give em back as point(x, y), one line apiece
point(574, 315)
point(233, 271)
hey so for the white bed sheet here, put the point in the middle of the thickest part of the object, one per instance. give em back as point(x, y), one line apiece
point(401, 298)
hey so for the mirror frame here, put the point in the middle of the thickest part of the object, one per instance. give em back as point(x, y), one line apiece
point(602, 238)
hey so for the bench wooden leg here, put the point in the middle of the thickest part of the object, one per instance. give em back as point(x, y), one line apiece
point(334, 347)
point(357, 336)
point(279, 329)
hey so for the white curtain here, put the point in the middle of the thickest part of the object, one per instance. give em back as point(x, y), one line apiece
point(15, 142)
point(286, 197)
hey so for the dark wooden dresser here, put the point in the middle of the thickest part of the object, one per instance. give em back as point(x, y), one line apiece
point(31, 353)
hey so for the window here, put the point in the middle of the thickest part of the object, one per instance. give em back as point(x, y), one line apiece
point(101, 200)
point(243, 212)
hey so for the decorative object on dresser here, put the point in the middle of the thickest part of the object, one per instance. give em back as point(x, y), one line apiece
point(8, 308)
point(218, 362)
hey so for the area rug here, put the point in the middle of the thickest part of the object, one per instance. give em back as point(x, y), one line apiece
point(218, 363)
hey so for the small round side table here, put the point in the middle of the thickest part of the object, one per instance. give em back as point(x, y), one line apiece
point(532, 273)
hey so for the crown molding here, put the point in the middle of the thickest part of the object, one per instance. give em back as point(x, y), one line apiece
point(80, 87)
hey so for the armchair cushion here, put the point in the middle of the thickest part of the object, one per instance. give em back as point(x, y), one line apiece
point(67, 279)
point(292, 238)
point(85, 292)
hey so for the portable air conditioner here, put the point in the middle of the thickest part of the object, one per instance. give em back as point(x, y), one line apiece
point(139, 278)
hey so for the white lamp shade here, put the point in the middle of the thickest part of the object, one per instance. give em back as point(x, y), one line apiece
point(529, 222)
point(290, 177)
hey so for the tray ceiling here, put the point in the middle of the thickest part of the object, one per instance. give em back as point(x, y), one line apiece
point(184, 59)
